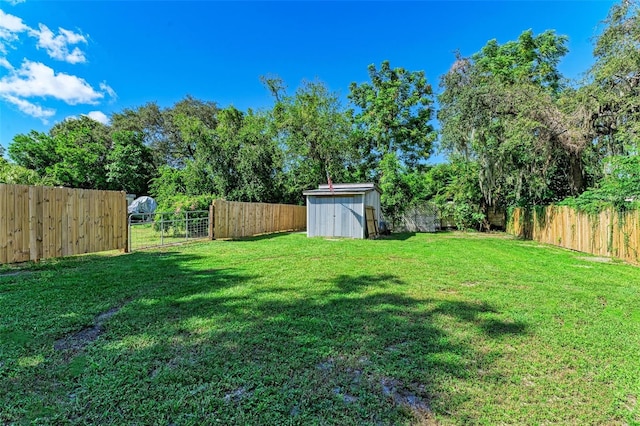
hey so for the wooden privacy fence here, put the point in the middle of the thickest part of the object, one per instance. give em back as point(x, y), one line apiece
point(232, 219)
point(608, 233)
point(38, 222)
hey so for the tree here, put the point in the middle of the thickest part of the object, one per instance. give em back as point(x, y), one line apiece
point(34, 151)
point(12, 173)
point(81, 146)
point(391, 115)
point(616, 81)
point(199, 170)
point(395, 192)
point(501, 108)
point(168, 183)
point(129, 163)
point(161, 130)
point(314, 133)
point(238, 160)
point(148, 121)
point(181, 149)
point(73, 153)
point(454, 189)
point(258, 161)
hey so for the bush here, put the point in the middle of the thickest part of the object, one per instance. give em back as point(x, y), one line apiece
point(465, 215)
point(171, 213)
point(619, 188)
point(180, 203)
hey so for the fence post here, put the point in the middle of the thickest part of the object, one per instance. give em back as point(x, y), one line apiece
point(127, 227)
point(186, 225)
point(211, 216)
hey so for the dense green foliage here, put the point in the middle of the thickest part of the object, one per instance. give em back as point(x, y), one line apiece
point(14, 174)
point(499, 109)
point(82, 153)
point(515, 131)
point(129, 162)
point(291, 330)
point(391, 116)
point(616, 81)
point(536, 140)
point(313, 132)
point(620, 187)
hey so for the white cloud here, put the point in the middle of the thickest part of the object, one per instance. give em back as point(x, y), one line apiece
point(57, 46)
point(37, 79)
point(10, 27)
point(5, 64)
point(108, 90)
point(14, 2)
point(71, 37)
point(98, 116)
point(30, 108)
point(11, 23)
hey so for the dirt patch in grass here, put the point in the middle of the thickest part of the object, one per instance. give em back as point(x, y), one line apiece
point(413, 396)
point(237, 395)
point(470, 235)
point(79, 340)
point(595, 259)
point(631, 402)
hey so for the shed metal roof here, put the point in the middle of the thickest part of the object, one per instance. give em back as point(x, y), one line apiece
point(343, 189)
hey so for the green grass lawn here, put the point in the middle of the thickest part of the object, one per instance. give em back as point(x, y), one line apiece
point(447, 328)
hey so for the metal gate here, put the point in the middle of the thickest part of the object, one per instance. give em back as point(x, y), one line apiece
point(157, 229)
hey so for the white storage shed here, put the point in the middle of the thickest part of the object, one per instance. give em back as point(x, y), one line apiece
point(341, 212)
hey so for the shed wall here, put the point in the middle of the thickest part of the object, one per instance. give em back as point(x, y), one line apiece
point(372, 198)
point(335, 216)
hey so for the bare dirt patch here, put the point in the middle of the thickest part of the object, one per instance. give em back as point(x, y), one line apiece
point(595, 259)
point(410, 396)
point(237, 395)
point(352, 374)
point(468, 235)
point(79, 340)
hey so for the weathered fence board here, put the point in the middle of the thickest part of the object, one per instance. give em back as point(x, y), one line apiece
point(608, 233)
point(38, 222)
point(236, 219)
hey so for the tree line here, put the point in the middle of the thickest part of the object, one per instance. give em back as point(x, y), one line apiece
point(515, 131)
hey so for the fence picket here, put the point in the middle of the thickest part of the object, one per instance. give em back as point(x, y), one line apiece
point(3, 223)
point(608, 233)
point(43, 222)
point(234, 219)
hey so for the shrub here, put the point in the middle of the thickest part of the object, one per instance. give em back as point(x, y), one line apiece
point(619, 188)
point(172, 213)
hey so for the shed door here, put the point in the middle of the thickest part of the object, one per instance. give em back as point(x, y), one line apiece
point(336, 216)
point(348, 218)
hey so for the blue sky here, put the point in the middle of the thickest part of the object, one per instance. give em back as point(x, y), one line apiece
point(68, 58)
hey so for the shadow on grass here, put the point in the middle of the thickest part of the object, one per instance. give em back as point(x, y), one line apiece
point(261, 237)
point(193, 346)
point(398, 236)
point(58, 300)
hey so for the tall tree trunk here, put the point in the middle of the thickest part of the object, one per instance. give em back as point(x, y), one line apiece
point(576, 174)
